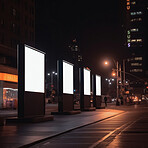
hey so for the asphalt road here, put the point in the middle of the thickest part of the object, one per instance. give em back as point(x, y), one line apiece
point(127, 130)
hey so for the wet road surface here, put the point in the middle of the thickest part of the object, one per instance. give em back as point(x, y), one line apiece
point(129, 129)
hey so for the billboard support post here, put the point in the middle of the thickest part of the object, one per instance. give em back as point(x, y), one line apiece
point(65, 85)
point(96, 87)
point(21, 75)
point(60, 85)
point(31, 83)
point(85, 89)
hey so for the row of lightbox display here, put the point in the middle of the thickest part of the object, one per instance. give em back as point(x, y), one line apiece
point(35, 74)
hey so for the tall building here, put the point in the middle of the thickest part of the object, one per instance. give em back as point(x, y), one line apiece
point(136, 35)
point(76, 58)
point(135, 40)
point(17, 25)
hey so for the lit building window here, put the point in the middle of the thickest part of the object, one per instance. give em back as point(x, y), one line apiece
point(134, 29)
point(136, 20)
point(136, 40)
point(133, 3)
point(136, 70)
point(138, 58)
point(136, 13)
point(136, 64)
point(133, 13)
point(133, 40)
point(139, 40)
point(139, 13)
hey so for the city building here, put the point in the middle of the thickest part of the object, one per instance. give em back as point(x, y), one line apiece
point(136, 35)
point(17, 25)
point(134, 14)
point(77, 59)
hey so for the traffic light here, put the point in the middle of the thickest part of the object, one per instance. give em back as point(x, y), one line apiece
point(113, 73)
point(146, 89)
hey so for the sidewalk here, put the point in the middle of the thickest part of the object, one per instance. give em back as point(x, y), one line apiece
point(15, 135)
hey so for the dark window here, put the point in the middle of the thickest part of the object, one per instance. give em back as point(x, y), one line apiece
point(2, 22)
point(2, 5)
point(26, 6)
point(2, 38)
point(14, 12)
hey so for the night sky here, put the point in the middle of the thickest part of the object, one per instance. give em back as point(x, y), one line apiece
point(96, 25)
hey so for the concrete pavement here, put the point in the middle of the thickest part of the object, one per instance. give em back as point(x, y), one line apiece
point(14, 135)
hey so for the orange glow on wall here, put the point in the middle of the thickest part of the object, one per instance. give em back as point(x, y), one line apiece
point(113, 74)
point(128, 7)
point(8, 77)
point(128, 4)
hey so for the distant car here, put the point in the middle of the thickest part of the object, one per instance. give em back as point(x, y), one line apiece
point(113, 99)
point(136, 99)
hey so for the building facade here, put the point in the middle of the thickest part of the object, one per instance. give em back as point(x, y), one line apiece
point(136, 34)
point(17, 25)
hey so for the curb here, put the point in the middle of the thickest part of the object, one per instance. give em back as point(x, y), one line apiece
point(44, 139)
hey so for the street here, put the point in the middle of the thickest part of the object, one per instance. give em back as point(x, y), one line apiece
point(128, 129)
point(73, 74)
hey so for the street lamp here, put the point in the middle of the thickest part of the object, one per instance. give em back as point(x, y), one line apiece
point(115, 74)
point(109, 80)
point(106, 62)
point(52, 77)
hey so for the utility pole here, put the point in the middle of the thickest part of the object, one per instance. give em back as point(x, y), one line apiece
point(124, 73)
point(120, 80)
point(117, 81)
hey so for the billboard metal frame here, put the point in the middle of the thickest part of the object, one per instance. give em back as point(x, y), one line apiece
point(29, 103)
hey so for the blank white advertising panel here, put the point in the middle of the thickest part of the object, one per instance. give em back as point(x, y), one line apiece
point(34, 70)
point(98, 85)
point(68, 78)
point(86, 82)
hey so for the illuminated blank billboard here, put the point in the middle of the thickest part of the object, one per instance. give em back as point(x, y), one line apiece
point(34, 70)
point(86, 82)
point(98, 85)
point(67, 78)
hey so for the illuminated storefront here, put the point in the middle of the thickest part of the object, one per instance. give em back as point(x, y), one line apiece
point(9, 98)
point(8, 89)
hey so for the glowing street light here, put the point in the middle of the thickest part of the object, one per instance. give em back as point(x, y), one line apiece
point(51, 76)
point(106, 63)
point(115, 74)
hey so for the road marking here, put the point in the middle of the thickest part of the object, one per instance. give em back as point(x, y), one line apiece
point(126, 125)
point(106, 136)
point(46, 143)
point(129, 126)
